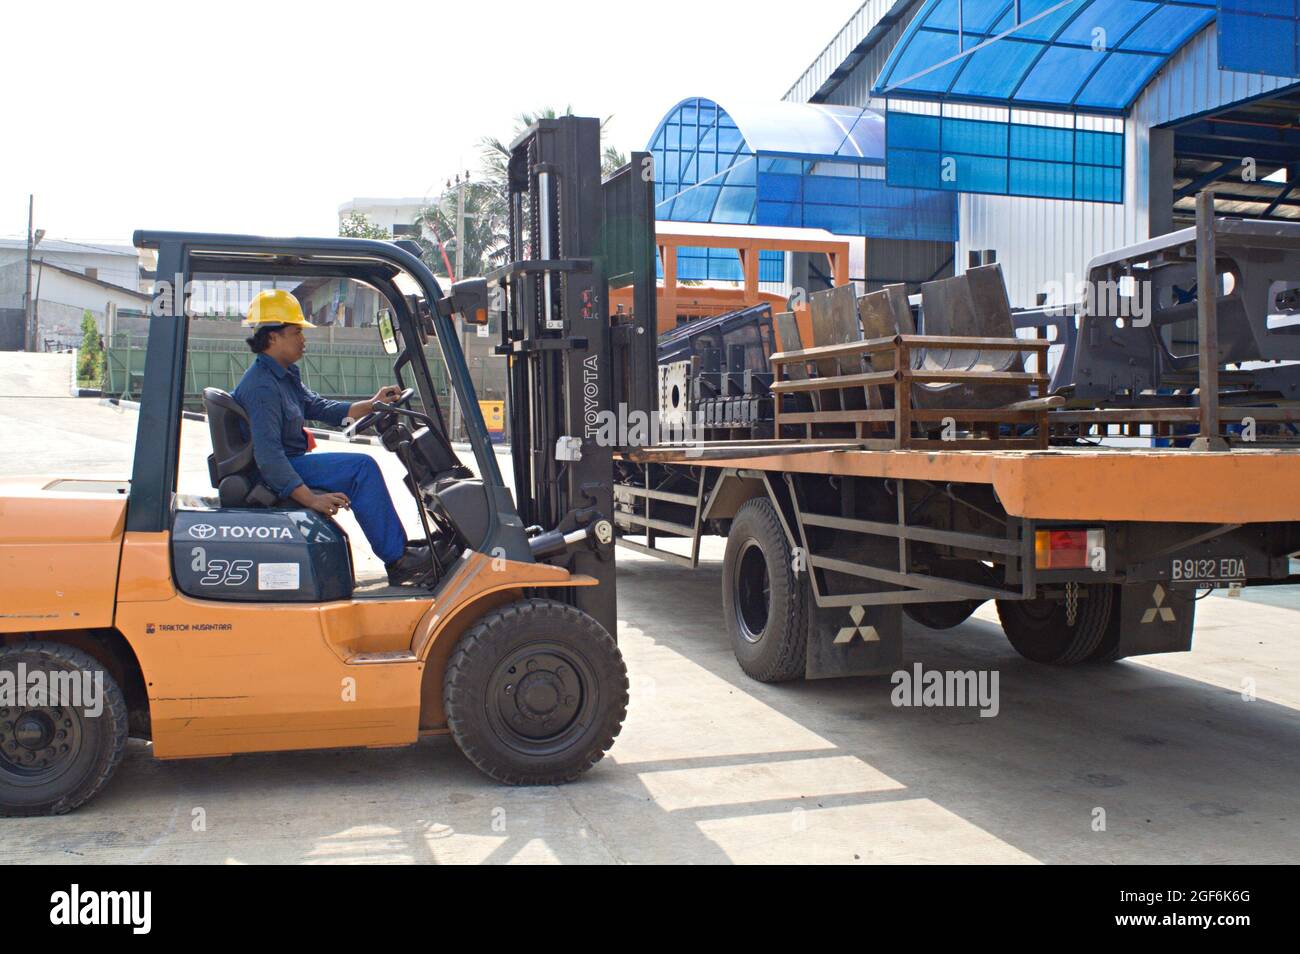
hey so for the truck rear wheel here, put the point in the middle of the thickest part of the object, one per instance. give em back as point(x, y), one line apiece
point(763, 599)
point(535, 693)
point(1040, 629)
point(61, 745)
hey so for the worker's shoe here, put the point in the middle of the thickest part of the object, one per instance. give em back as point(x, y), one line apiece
point(413, 566)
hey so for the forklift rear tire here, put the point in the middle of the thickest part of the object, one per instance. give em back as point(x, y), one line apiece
point(764, 601)
point(56, 757)
point(535, 693)
point(1039, 631)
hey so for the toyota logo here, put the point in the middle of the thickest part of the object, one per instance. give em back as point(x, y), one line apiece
point(203, 530)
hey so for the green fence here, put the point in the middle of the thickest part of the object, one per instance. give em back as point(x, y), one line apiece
point(341, 371)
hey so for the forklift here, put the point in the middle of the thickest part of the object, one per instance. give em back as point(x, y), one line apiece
point(227, 623)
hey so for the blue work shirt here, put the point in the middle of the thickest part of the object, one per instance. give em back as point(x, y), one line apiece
point(277, 404)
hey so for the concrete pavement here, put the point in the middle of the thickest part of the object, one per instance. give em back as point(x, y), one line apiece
point(714, 768)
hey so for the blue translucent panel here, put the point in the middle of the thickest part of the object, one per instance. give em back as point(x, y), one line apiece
point(974, 136)
point(696, 205)
point(996, 69)
point(926, 49)
point(771, 266)
point(781, 188)
point(1098, 184)
point(845, 220)
point(1261, 36)
point(1042, 161)
point(1098, 148)
point(913, 168)
point(979, 174)
point(1050, 25)
point(831, 189)
point(1167, 29)
point(690, 163)
point(1119, 79)
point(742, 173)
point(1113, 17)
point(1053, 180)
point(779, 213)
point(1274, 8)
point(735, 205)
point(708, 139)
point(975, 16)
point(729, 139)
point(912, 131)
point(707, 165)
point(1042, 142)
point(781, 164)
point(1057, 76)
point(866, 138)
point(689, 112)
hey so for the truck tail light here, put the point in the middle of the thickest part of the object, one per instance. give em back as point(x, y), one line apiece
point(1070, 549)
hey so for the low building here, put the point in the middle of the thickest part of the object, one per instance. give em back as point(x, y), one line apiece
point(395, 215)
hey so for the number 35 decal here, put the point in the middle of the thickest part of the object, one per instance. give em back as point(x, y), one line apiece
point(220, 572)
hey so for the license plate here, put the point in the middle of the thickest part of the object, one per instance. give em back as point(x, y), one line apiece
point(1228, 569)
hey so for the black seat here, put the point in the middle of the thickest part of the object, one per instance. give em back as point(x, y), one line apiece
point(230, 465)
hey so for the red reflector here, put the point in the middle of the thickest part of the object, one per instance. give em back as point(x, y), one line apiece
point(1061, 549)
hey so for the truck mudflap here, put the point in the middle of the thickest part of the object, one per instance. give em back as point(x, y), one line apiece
point(854, 641)
point(1154, 618)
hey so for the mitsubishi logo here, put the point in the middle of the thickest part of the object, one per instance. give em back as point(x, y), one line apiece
point(203, 531)
point(1164, 612)
point(846, 634)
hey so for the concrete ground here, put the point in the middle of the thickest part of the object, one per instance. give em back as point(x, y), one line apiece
point(712, 767)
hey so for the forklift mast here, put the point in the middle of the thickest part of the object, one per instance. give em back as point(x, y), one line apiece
point(572, 366)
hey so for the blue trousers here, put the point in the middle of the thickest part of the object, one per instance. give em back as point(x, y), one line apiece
point(358, 476)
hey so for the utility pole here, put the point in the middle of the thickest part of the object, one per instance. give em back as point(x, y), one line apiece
point(27, 295)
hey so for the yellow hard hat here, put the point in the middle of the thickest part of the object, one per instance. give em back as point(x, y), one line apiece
point(276, 307)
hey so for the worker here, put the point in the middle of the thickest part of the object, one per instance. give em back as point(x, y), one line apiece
point(276, 401)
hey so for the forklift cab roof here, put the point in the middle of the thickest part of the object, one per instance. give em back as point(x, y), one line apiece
point(366, 259)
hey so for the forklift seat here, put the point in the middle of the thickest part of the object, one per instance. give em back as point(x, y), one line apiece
point(230, 465)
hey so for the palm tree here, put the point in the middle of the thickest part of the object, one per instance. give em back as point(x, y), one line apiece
point(487, 222)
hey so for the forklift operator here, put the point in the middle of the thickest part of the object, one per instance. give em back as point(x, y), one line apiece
point(276, 401)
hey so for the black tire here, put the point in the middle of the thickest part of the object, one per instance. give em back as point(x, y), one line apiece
point(1038, 630)
point(942, 615)
point(763, 599)
point(54, 758)
point(1107, 650)
point(577, 690)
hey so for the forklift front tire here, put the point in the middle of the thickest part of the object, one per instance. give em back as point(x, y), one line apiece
point(535, 693)
point(56, 753)
point(1041, 631)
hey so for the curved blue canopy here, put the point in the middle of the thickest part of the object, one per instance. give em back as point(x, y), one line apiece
point(787, 164)
point(1087, 55)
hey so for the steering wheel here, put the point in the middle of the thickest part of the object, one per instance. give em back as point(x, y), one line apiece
point(383, 409)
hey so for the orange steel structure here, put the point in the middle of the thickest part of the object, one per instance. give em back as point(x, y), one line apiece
point(678, 302)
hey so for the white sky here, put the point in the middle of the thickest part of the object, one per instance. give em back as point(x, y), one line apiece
point(264, 117)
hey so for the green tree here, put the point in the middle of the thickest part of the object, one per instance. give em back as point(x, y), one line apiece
point(90, 356)
point(358, 225)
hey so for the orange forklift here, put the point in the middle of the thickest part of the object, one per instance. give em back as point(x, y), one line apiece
point(234, 622)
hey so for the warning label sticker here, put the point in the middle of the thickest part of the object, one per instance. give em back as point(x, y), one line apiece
point(277, 576)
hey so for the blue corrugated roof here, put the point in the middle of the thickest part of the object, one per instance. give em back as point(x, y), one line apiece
point(1089, 55)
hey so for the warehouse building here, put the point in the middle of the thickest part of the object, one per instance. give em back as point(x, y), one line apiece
point(1059, 129)
point(1069, 128)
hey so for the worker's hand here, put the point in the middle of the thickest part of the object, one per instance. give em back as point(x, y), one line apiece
point(330, 504)
point(387, 394)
